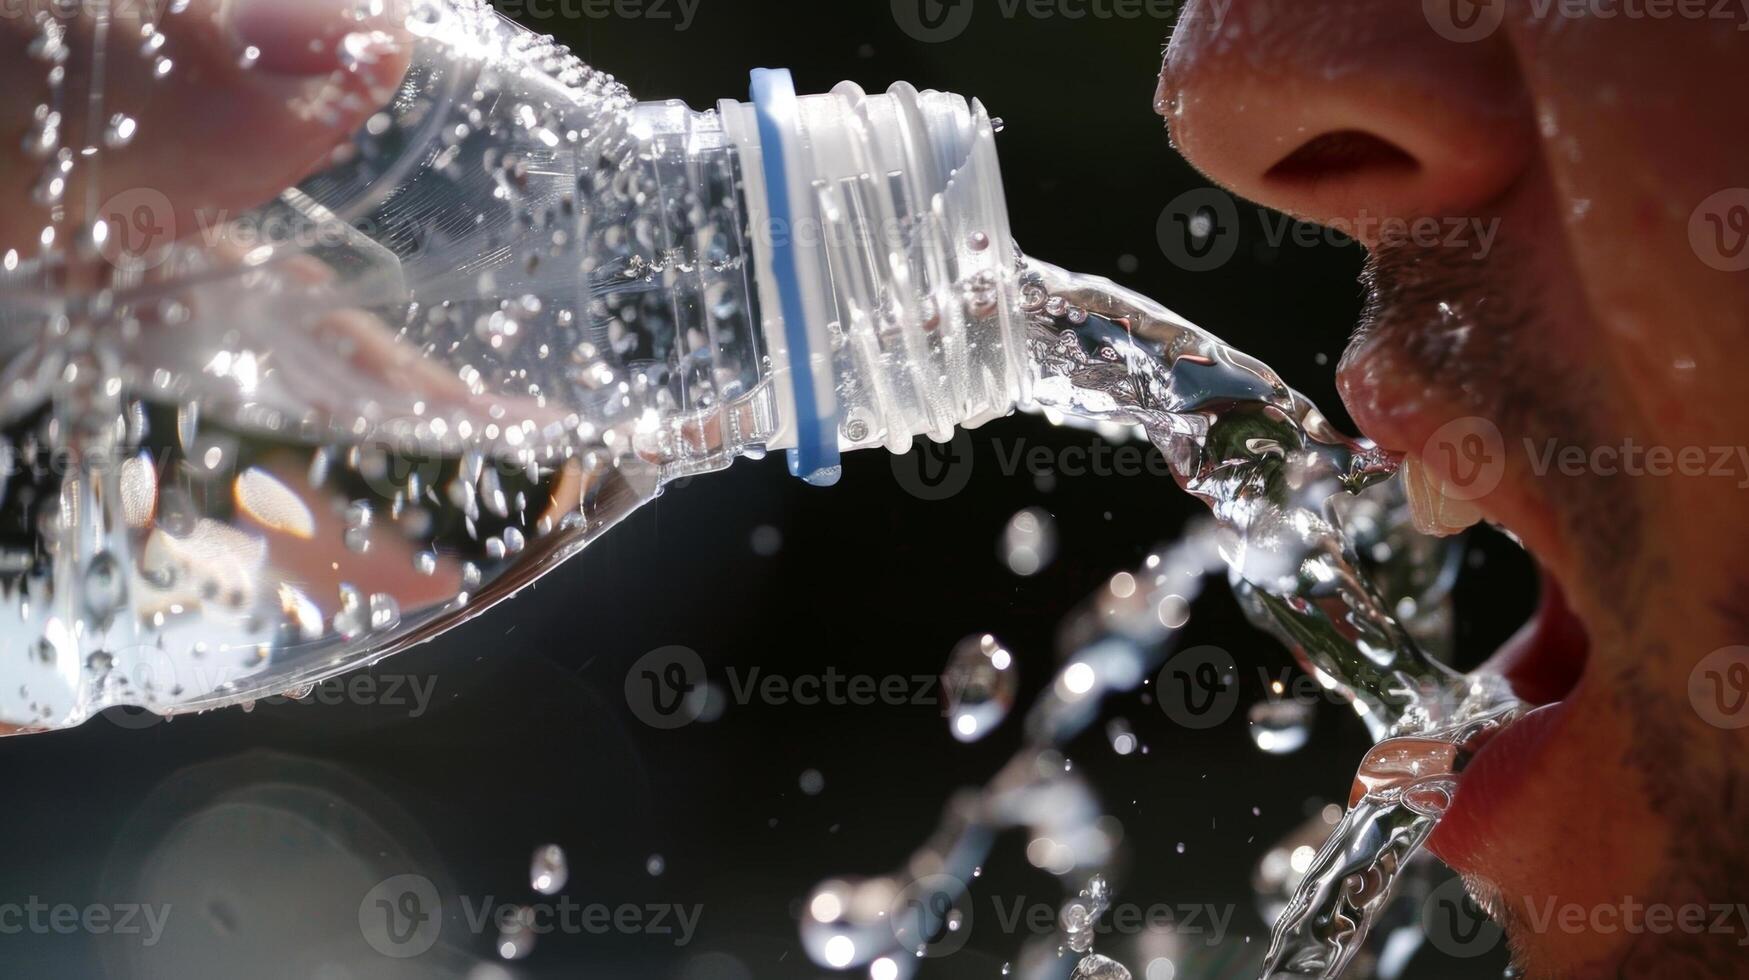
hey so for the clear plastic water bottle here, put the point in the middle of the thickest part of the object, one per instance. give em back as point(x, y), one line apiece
point(496, 322)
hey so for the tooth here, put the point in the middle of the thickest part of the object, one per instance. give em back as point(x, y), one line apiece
point(1433, 510)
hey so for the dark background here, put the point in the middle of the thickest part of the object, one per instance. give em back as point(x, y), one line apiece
point(529, 738)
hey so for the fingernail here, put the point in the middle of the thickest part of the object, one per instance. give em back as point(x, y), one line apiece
point(295, 37)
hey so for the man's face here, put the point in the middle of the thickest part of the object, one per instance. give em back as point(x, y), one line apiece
point(1580, 379)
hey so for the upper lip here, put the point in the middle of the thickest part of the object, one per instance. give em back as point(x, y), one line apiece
point(1406, 417)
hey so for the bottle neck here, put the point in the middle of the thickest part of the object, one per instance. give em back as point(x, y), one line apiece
point(886, 274)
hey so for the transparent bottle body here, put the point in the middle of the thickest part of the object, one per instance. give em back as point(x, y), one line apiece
point(494, 324)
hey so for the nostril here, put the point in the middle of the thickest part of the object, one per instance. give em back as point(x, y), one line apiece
point(1345, 153)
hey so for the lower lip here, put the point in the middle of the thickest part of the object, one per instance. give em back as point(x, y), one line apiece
point(1544, 662)
point(1497, 773)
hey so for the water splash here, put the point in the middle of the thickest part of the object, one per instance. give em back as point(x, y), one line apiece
point(1080, 915)
point(1097, 967)
point(1110, 646)
point(1317, 545)
point(1279, 480)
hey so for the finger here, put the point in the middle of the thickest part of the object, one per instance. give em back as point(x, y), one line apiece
point(197, 116)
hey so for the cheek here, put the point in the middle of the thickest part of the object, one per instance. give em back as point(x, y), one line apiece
point(1641, 124)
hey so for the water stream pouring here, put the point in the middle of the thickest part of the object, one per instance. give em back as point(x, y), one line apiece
point(516, 305)
point(1295, 506)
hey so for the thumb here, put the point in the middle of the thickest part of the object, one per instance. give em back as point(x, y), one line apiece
point(180, 113)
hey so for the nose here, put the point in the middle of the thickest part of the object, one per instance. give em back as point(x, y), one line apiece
point(1346, 112)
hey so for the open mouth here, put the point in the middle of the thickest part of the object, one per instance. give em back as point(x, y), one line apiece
point(1544, 662)
point(1545, 659)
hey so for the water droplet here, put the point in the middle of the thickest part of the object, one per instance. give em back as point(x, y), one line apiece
point(656, 865)
point(812, 782)
point(120, 131)
point(549, 871)
point(1173, 611)
point(361, 49)
point(1029, 541)
point(767, 541)
point(105, 583)
point(498, 330)
point(51, 186)
point(1281, 727)
point(516, 935)
point(353, 619)
point(1123, 741)
point(385, 612)
point(358, 519)
point(980, 683)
